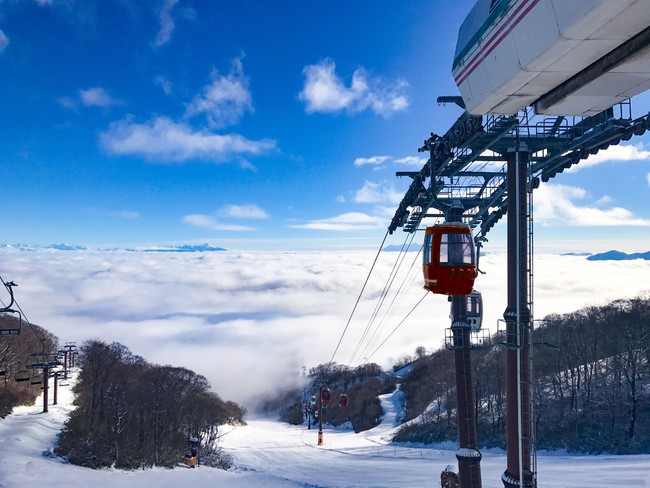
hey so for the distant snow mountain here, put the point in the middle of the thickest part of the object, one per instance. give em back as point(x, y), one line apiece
point(618, 256)
point(604, 256)
point(21, 247)
point(31, 247)
point(185, 248)
point(68, 247)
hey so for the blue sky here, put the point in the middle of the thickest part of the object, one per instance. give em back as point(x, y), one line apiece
point(250, 124)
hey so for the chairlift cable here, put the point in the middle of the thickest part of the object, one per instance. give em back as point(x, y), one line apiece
point(359, 298)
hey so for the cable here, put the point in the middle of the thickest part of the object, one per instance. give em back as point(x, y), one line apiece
point(359, 297)
point(409, 278)
point(380, 302)
point(397, 327)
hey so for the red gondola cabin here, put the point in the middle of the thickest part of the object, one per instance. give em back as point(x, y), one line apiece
point(325, 395)
point(343, 400)
point(449, 262)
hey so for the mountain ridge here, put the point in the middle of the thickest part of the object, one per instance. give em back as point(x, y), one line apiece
point(614, 255)
point(71, 248)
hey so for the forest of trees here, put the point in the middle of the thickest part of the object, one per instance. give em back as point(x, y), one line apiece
point(362, 384)
point(17, 352)
point(133, 414)
point(591, 384)
point(130, 413)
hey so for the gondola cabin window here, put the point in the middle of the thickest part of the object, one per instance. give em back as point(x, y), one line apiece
point(449, 260)
point(427, 249)
point(456, 249)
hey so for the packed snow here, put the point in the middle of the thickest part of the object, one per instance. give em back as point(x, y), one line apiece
point(268, 453)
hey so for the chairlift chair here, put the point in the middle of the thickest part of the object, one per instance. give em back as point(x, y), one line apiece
point(15, 323)
point(11, 325)
point(22, 376)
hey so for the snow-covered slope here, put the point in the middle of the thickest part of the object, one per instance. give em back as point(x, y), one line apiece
point(275, 455)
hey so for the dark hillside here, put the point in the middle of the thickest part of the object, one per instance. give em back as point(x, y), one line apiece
point(362, 385)
point(591, 386)
point(16, 354)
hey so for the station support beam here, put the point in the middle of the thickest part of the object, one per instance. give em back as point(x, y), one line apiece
point(518, 324)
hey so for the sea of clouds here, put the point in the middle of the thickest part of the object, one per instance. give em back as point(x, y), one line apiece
point(249, 321)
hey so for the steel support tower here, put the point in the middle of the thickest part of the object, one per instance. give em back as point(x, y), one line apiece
point(490, 165)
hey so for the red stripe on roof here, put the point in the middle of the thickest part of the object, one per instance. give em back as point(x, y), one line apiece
point(491, 44)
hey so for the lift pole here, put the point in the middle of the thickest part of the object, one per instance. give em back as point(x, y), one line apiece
point(45, 366)
point(69, 352)
point(468, 455)
point(56, 387)
point(518, 473)
point(320, 415)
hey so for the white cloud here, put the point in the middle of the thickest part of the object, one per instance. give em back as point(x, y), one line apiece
point(68, 103)
point(412, 161)
point(96, 97)
point(212, 223)
point(606, 200)
point(349, 221)
point(164, 140)
point(373, 160)
point(251, 211)
point(377, 193)
point(92, 97)
point(225, 100)
point(324, 91)
point(164, 84)
point(239, 212)
point(4, 41)
point(378, 161)
point(166, 23)
point(618, 153)
point(556, 204)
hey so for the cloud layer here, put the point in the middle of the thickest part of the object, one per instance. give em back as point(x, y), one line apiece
point(250, 321)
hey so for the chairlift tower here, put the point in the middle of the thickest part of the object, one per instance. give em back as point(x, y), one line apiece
point(46, 365)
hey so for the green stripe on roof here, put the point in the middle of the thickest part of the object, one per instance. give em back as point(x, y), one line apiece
point(501, 7)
